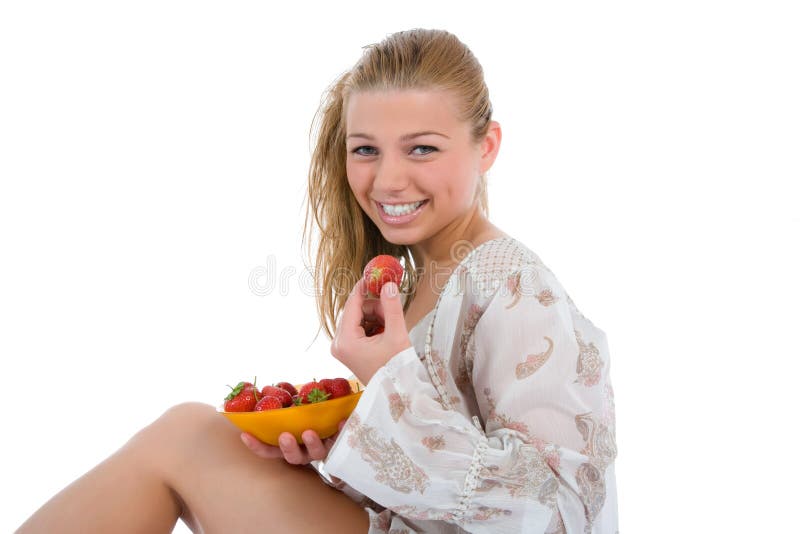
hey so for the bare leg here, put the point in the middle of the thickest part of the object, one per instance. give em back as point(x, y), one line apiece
point(191, 464)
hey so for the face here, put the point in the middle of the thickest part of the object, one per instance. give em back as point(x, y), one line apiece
point(440, 168)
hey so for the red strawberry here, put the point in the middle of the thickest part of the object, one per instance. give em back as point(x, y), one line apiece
point(288, 387)
point(312, 392)
point(371, 329)
point(327, 384)
point(281, 394)
point(268, 403)
point(338, 387)
point(242, 398)
point(381, 269)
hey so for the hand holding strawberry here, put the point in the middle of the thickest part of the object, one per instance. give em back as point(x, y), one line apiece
point(351, 345)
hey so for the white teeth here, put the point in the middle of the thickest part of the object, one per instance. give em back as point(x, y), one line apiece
point(401, 209)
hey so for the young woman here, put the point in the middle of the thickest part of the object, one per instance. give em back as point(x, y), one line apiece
point(488, 405)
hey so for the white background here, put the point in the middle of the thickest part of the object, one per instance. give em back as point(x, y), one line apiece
point(152, 155)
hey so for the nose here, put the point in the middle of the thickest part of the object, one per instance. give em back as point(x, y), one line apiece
point(391, 175)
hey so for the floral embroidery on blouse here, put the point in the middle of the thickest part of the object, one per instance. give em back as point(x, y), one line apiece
point(473, 315)
point(398, 404)
point(433, 442)
point(601, 450)
point(546, 297)
point(601, 445)
point(589, 363)
point(390, 463)
point(548, 450)
point(438, 366)
point(527, 476)
point(593, 491)
point(463, 374)
point(513, 285)
point(478, 513)
point(500, 420)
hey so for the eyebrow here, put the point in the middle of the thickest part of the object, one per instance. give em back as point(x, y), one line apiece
point(403, 138)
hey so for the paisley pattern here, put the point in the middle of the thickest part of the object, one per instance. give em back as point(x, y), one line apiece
point(390, 463)
point(480, 513)
point(513, 284)
point(593, 491)
point(499, 418)
point(601, 449)
point(463, 374)
point(601, 444)
point(589, 363)
point(534, 361)
point(526, 475)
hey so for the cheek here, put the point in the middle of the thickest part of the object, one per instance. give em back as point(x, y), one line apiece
point(353, 179)
point(358, 188)
point(454, 181)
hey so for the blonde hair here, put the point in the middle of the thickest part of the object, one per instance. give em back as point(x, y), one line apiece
point(348, 239)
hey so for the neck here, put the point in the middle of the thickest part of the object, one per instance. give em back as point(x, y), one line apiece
point(436, 256)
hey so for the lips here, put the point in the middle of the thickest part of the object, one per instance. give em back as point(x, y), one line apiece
point(400, 219)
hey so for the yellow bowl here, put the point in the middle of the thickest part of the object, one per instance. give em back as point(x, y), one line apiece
point(322, 417)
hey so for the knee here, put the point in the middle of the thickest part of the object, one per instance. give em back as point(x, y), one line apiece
point(178, 426)
point(187, 411)
point(187, 417)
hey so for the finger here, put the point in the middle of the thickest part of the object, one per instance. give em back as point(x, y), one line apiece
point(352, 313)
point(291, 449)
point(392, 307)
point(259, 447)
point(372, 309)
point(316, 449)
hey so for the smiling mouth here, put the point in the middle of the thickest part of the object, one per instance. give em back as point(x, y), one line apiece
point(396, 210)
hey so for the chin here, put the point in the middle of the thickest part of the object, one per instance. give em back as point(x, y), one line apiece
point(400, 238)
point(397, 240)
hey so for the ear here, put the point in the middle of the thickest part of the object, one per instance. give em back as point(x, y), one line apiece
point(490, 146)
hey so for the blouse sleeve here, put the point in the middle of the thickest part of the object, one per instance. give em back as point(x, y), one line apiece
point(534, 463)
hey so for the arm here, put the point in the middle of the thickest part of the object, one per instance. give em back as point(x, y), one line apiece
point(528, 469)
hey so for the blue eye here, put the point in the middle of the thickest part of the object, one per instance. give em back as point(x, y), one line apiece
point(433, 149)
point(356, 151)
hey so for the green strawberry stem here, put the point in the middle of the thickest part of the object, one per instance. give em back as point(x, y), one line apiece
point(235, 391)
point(317, 395)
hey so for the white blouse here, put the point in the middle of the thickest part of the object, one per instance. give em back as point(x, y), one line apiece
point(499, 419)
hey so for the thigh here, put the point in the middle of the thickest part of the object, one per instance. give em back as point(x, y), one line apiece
point(226, 488)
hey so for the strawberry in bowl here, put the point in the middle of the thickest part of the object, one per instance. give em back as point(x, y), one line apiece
point(315, 405)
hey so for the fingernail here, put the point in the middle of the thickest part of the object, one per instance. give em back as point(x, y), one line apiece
point(391, 289)
point(285, 441)
point(244, 439)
